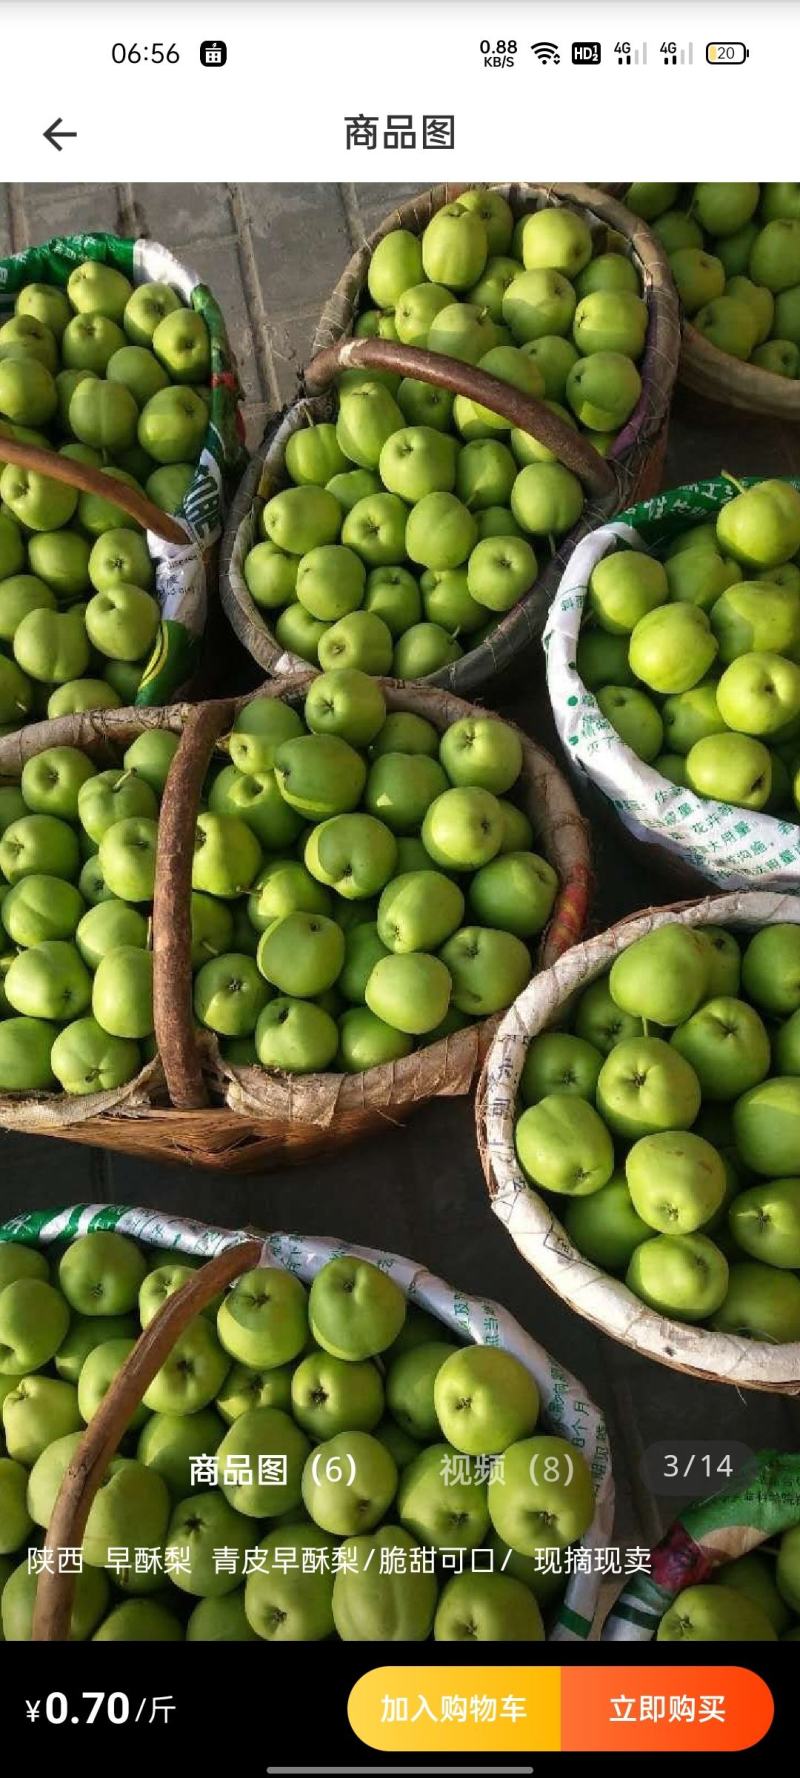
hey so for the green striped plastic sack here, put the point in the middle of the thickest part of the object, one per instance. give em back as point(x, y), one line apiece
point(732, 848)
point(762, 1503)
point(566, 1408)
point(183, 572)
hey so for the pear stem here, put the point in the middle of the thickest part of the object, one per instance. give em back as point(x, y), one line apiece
point(739, 486)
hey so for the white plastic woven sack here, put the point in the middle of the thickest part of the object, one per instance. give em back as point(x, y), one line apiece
point(733, 848)
point(566, 1408)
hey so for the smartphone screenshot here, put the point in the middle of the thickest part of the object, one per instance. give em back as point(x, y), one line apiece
point(400, 882)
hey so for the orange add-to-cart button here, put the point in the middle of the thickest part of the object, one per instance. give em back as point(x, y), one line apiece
point(458, 1709)
point(528, 1709)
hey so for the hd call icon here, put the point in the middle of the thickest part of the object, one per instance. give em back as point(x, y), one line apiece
point(586, 55)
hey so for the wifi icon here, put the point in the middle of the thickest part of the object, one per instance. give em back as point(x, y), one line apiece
point(546, 52)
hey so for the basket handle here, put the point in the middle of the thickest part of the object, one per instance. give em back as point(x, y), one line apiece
point(172, 924)
point(571, 447)
point(55, 1592)
point(93, 481)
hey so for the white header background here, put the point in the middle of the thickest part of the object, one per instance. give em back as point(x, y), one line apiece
point(297, 68)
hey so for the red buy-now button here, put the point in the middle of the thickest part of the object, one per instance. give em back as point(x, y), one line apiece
point(663, 1709)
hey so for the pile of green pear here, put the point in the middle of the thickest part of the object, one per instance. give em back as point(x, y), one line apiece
point(734, 250)
point(298, 1467)
point(77, 872)
point(755, 1598)
point(695, 660)
point(413, 522)
point(362, 883)
point(664, 1126)
point(115, 377)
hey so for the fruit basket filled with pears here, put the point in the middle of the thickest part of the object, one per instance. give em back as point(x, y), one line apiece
point(80, 804)
point(245, 932)
point(734, 252)
point(117, 443)
point(639, 1124)
point(491, 377)
point(672, 665)
point(728, 1570)
point(318, 1441)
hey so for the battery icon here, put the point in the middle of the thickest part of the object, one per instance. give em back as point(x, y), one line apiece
point(727, 55)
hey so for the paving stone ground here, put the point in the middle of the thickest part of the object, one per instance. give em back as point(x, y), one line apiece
point(272, 253)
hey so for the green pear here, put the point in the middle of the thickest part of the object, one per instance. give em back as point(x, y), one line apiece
point(563, 1145)
point(760, 527)
point(454, 247)
point(416, 310)
point(624, 586)
point(676, 228)
point(682, 1276)
point(662, 977)
point(672, 648)
point(732, 769)
point(537, 304)
point(360, 641)
point(52, 646)
point(729, 324)
point(699, 276)
point(635, 718)
point(775, 255)
point(295, 1036)
point(603, 390)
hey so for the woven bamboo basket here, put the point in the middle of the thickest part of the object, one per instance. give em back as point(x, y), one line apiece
point(566, 1408)
point(184, 559)
point(185, 549)
point(133, 1118)
point(632, 471)
point(533, 1224)
point(718, 377)
point(700, 842)
point(270, 1119)
point(191, 1107)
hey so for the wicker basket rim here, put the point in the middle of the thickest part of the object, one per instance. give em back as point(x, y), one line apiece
point(730, 380)
point(563, 835)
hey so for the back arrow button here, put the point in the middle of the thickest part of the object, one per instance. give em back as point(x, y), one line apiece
point(52, 134)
